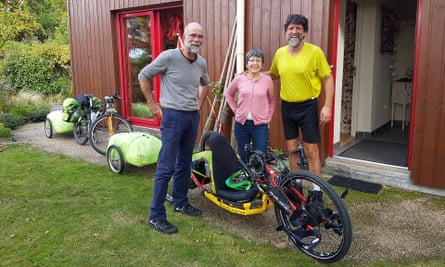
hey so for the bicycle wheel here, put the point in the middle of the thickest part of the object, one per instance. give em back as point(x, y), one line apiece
point(115, 159)
point(320, 225)
point(203, 144)
point(101, 132)
point(48, 127)
point(80, 132)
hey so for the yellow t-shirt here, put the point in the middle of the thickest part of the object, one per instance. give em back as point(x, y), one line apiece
point(300, 74)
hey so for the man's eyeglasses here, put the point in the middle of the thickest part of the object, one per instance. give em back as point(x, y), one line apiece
point(194, 35)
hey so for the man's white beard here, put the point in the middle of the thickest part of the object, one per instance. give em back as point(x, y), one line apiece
point(294, 43)
point(193, 49)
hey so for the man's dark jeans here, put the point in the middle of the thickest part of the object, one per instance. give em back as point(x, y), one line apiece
point(178, 134)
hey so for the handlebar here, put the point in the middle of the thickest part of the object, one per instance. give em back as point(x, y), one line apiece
point(110, 99)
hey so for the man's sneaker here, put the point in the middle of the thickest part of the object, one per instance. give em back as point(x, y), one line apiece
point(188, 210)
point(162, 226)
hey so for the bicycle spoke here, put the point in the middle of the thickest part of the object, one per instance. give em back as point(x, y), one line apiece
point(101, 132)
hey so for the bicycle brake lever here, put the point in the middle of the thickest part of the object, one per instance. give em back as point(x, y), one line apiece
point(117, 96)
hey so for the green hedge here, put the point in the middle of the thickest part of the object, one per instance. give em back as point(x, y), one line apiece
point(21, 114)
point(42, 68)
point(11, 121)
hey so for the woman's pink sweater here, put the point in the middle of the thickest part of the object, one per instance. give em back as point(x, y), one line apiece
point(258, 97)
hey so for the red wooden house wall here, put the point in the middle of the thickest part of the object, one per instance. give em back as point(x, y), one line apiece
point(95, 68)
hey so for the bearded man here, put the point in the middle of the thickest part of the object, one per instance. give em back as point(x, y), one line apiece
point(303, 72)
point(184, 86)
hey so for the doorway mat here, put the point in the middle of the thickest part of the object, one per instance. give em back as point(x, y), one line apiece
point(354, 184)
point(378, 151)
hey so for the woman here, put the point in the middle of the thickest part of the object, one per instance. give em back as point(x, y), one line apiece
point(251, 96)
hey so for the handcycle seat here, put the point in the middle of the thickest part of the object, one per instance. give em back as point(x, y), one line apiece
point(225, 163)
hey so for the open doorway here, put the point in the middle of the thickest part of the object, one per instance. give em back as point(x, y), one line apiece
point(373, 91)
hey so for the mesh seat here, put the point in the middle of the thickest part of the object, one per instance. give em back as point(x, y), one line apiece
point(225, 163)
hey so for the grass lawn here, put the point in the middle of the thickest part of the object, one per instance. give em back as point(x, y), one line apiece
point(60, 211)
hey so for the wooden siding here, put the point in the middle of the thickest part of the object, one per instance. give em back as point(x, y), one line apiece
point(217, 17)
point(95, 65)
point(94, 49)
point(428, 147)
point(265, 30)
point(264, 20)
point(94, 53)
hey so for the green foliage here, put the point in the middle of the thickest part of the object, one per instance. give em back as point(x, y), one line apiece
point(17, 23)
point(33, 112)
point(11, 121)
point(30, 20)
point(52, 15)
point(217, 88)
point(42, 68)
point(5, 132)
point(5, 97)
point(20, 113)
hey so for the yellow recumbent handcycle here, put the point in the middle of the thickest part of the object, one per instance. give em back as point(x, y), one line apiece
point(307, 208)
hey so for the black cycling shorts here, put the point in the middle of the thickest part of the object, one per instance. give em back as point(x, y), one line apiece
point(304, 116)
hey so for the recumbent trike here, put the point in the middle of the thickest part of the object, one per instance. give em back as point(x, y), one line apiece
point(321, 229)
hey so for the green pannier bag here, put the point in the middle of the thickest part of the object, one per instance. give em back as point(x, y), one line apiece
point(138, 148)
point(71, 110)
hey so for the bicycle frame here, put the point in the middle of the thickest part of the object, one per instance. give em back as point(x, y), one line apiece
point(266, 180)
point(110, 110)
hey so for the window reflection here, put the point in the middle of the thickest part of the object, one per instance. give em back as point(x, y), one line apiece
point(139, 55)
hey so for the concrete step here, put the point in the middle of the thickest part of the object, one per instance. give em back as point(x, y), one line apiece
point(366, 171)
point(393, 176)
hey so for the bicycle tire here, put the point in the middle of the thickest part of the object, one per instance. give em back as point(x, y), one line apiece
point(80, 132)
point(115, 159)
point(100, 133)
point(333, 231)
point(48, 128)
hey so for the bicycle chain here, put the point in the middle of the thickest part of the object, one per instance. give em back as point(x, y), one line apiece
point(287, 154)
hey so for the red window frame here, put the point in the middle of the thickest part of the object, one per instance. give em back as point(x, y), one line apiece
point(124, 63)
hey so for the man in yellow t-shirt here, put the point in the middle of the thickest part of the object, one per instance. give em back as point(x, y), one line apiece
point(303, 71)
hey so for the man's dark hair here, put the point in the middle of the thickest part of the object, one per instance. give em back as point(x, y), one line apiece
point(296, 19)
point(255, 52)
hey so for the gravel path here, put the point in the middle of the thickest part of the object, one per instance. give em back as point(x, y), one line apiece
point(33, 133)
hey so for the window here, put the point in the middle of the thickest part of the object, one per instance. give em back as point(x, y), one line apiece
point(142, 36)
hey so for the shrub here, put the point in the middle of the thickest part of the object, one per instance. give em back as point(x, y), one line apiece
point(5, 97)
point(32, 112)
point(11, 121)
point(42, 68)
point(5, 132)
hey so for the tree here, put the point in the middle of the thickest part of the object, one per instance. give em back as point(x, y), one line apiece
point(16, 22)
point(31, 20)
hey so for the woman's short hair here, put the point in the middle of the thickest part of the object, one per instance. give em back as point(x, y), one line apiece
point(255, 52)
point(296, 19)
